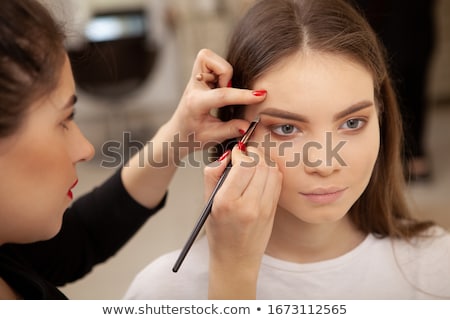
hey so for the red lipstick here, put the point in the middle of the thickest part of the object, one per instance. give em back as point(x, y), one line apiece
point(70, 193)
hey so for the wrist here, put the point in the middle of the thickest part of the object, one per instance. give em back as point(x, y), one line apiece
point(233, 281)
point(170, 146)
point(177, 143)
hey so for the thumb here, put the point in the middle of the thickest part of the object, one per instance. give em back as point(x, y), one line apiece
point(229, 129)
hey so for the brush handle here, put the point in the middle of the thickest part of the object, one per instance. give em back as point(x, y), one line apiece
point(201, 221)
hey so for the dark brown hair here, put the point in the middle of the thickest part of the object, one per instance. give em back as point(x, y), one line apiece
point(274, 29)
point(31, 56)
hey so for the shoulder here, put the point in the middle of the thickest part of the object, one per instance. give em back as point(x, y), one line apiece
point(432, 244)
point(158, 281)
point(434, 239)
point(425, 260)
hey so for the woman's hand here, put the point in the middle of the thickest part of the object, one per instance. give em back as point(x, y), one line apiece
point(192, 127)
point(240, 223)
point(209, 89)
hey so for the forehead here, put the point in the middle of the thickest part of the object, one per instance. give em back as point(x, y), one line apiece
point(315, 80)
point(65, 87)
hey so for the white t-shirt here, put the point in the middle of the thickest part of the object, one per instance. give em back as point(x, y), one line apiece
point(376, 269)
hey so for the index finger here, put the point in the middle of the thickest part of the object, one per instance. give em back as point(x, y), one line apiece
point(208, 61)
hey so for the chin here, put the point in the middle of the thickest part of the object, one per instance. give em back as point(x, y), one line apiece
point(52, 228)
point(323, 219)
point(323, 216)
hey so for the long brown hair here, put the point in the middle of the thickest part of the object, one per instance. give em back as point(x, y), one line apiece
point(274, 29)
point(31, 54)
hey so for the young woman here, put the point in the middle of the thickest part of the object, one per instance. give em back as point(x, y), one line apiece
point(45, 241)
point(330, 123)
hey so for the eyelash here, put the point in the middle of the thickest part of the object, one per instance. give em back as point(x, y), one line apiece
point(361, 122)
point(68, 119)
point(274, 128)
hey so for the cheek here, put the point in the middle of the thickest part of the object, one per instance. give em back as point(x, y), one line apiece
point(360, 154)
point(39, 177)
point(287, 154)
point(288, 157)
point(45, 163)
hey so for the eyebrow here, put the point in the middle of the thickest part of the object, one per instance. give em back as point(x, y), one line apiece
point(279, 113)
point(353, 108)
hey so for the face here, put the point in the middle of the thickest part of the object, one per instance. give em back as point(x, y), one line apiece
point(38, 166)
point(319, 124)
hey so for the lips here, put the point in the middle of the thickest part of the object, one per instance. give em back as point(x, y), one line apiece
point(324, 195)
point(70, 193)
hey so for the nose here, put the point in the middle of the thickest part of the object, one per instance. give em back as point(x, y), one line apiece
point(83, 150)
point(321, 157)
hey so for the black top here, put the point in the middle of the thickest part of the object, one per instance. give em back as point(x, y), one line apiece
point(94, 228)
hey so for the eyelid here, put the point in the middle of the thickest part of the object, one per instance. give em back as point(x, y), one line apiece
point(281, 125)
point(69, 118)
point(273, 127)
point(71, 115)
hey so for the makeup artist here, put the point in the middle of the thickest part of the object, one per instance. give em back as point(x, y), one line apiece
point(45, 239)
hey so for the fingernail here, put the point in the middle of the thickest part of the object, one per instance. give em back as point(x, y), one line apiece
point(259, 93)
point(222, 157)
point(230, 84)
point(242, 146)
point(242, 132)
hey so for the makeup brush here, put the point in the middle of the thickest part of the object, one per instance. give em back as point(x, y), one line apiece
point(207, 209)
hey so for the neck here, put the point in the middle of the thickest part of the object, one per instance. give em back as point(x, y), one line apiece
point(298, 241)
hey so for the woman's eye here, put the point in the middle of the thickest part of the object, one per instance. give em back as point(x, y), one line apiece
point(284, 130)
point(353, 124)
point(66, 121)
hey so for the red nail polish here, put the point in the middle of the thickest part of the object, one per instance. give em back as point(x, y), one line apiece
point(230, 84)
point(259, 93)
point(242, 132)
point(222, 157)
point(242, 146)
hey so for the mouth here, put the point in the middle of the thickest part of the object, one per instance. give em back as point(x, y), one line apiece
point(69, 192)
point(324, 195)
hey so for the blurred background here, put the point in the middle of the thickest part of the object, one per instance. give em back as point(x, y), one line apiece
point(131, 61)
